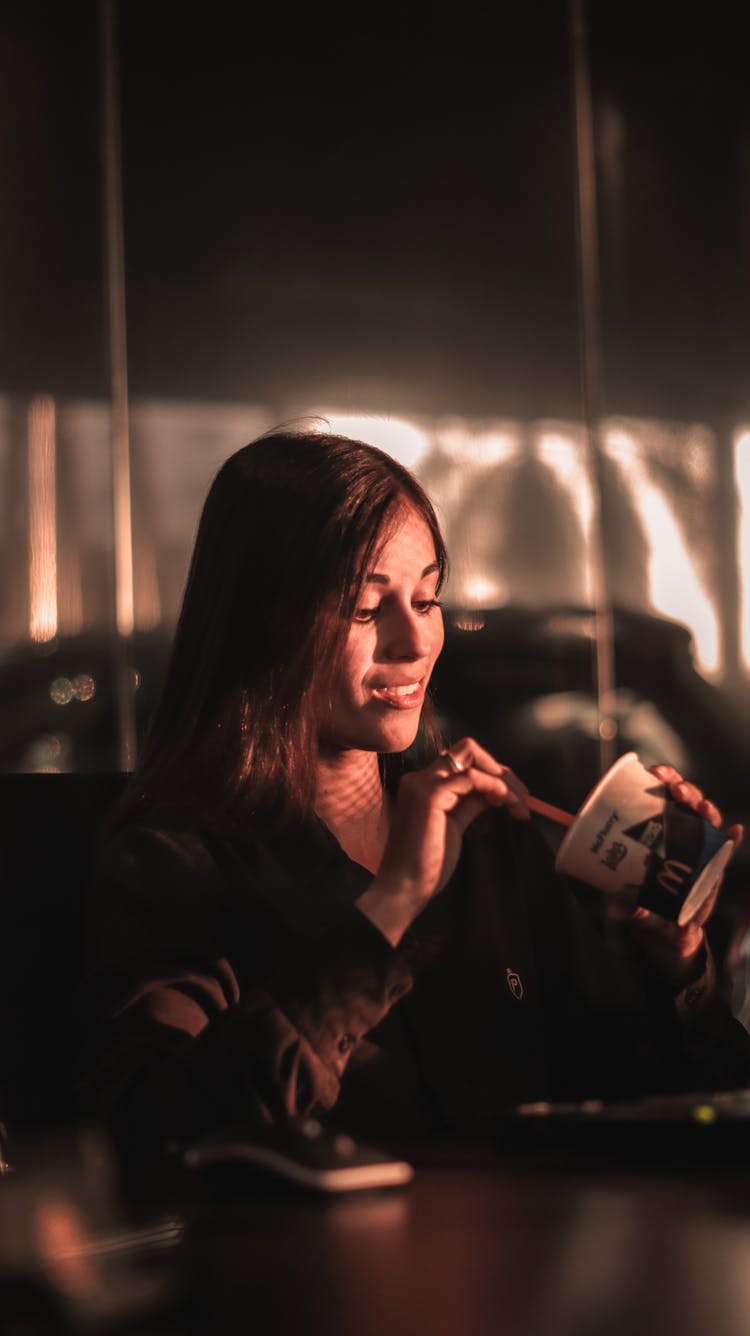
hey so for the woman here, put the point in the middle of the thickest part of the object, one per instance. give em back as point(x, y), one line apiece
point(307, 903)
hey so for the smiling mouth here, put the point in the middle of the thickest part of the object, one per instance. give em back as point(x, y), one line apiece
point(401, 697)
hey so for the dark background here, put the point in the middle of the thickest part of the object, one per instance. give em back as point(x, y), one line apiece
point(379, 204)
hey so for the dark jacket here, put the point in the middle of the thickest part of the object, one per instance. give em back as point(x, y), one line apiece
point(233, 976)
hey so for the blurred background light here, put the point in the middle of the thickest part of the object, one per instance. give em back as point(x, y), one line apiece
point(405, 441)
point(675, 587)
point(42, 564)
point(742, 481)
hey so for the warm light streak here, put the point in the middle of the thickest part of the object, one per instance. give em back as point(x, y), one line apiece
point(564, 457)
point(404, 441)
point(477, 591)
point(669, 565)
point(474, 448)
point(623, 448)
point(42, 520)
point(147, 596)
point(465, 475)
point(70, 595)
point(469, 621)
point(742, 479)
point(698, 458)
point(675, 587)
point(123, 535)
point(62, 1238)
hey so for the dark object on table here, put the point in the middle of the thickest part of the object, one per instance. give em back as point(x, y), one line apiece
point(298, 1155)
point(700, 1128)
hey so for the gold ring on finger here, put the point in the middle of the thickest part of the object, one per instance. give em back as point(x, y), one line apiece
point(456, 766)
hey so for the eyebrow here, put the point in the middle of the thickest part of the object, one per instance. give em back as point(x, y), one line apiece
point(375, 578)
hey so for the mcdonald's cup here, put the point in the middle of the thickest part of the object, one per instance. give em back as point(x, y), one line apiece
point(632, 839)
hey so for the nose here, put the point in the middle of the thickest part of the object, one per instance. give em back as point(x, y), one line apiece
point(406, 635)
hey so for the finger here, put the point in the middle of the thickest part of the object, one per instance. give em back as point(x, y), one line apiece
point(461, 755)
point(666, 773)
point(644, 916)
point(463, 810)
point(516, 803)
point(459, 799)
point(694, 798)
point(500, 789)
point(622, 905)
point(503, 790)
point(689, 794)
point(710, 811)
point(496, 790)
point(467, 810)
point(736, 834)
point(468, 754)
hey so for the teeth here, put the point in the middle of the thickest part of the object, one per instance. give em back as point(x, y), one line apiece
point(403, 691)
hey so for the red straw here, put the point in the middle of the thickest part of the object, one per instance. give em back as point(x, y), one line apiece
point(546, 809)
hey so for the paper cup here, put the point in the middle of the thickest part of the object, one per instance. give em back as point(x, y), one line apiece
point(631, 837)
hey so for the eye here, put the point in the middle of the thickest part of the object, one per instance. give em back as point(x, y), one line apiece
point(364, 615)
point(425, 605)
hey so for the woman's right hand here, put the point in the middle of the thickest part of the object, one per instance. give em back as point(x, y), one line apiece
point(433, 809)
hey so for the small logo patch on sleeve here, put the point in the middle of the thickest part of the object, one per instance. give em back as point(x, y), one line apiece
point(514, 983)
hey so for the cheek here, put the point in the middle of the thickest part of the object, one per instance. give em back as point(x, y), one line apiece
point(355, 663)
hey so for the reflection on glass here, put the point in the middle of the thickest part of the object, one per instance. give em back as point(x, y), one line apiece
point(564, 456)
point(515, 499)
point(42, 520)
point(84, 686)
point(61, 691)
point(673, 546)
point(405, 441)
point(147, 597)
point(742, 479)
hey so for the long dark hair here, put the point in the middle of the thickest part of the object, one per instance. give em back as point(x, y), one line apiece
point(288, 530)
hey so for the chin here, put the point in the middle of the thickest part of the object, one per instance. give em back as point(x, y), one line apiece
point(399, 739)
point(386, 736)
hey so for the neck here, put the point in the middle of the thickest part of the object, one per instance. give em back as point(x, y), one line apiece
point(352, 802)
point(349, 787)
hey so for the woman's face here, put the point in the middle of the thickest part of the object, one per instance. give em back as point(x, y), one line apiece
point(394, 639)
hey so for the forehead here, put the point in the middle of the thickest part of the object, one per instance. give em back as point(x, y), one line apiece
point(406, 548)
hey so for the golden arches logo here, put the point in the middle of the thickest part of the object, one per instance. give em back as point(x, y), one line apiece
point(673, 875)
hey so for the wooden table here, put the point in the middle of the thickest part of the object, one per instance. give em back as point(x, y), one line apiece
point(532, 1246)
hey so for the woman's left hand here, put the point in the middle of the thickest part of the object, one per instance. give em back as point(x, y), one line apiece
point(673, 948)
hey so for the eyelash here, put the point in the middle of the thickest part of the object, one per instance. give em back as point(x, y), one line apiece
point(423, 606)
